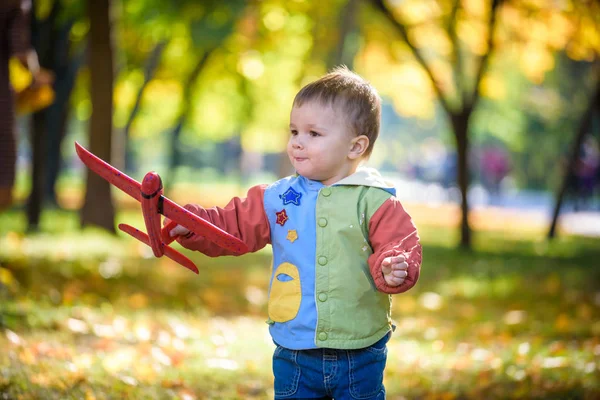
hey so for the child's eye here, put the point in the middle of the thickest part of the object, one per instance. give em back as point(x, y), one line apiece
point(293, 132)
point(314, 134)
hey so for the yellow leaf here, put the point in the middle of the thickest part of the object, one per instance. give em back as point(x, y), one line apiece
point(138, 300)
point(32, 99)
point(27, 357)
point(536, 60)
point(493, 88)
point(89, 395)
point(172, 383)
point(6, 278)
point(20, 77)
point(562, 323)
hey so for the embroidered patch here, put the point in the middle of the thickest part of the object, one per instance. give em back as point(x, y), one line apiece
point(292, 235)
point(285, 295)
point(281, 217)
point(291, 197)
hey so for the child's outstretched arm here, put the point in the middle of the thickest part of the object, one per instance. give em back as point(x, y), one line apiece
point(244, 218)
point(396, 248)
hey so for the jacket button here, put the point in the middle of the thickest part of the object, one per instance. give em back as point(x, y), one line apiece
point(322, 222)
point(322, 296)
point(322, 260)
point(326, 192)
point(322, 336)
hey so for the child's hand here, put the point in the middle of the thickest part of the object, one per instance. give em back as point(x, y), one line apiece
point(395, 270)
point(178, 230)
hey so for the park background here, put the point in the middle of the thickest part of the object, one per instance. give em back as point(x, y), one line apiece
point(490, 130)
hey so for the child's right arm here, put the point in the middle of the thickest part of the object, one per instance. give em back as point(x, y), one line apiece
point(244, 218)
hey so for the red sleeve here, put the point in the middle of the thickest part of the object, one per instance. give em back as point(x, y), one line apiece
point(392, 233)
point(244, 218)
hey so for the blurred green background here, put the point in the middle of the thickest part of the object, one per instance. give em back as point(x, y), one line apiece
point(490, 130)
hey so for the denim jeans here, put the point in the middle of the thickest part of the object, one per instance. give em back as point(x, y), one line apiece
point(330, 373)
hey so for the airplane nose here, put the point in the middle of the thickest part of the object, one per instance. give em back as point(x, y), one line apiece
point(151, 185)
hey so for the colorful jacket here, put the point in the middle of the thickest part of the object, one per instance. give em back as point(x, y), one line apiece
point(326, 287)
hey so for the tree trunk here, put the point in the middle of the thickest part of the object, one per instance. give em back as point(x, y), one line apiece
point(584, 127)
point(57, 119)
point(460, 124)
point(347, 45)
point(35, 200)
point(459, 116)
point(98, 208)
point(42, 40)
point(53, 44)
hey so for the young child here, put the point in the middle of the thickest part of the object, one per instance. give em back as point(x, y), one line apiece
point(342, 243)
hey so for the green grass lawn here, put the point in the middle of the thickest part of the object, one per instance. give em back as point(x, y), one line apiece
point(88, 315)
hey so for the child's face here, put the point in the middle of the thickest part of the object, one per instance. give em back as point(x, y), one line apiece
point(320, 143)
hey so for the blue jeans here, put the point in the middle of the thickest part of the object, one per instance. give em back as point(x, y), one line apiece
point(330, 373)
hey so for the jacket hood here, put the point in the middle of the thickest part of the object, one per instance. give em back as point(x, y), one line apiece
point(366, 176)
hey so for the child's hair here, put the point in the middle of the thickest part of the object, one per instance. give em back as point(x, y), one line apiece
point(353, 96)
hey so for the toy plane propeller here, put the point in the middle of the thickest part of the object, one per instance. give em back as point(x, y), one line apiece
point(150, 194)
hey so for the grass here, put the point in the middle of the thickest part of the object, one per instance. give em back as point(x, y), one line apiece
point(94, 316)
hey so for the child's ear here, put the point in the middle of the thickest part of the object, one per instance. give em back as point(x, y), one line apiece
point(359, 145)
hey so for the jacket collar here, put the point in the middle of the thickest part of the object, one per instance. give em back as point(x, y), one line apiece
point(366, 176)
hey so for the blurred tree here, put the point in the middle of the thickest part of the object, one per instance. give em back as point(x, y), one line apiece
point(246, 87)
point(537, 87)
point(184, 113)
point(149, 70)
point(348, 34)
point(583, 44)
point(583, 129)
point(52, 36)
point(208, 33)
point(460, 94)
point(334, 41)
point(98, 208)
point(162, 42)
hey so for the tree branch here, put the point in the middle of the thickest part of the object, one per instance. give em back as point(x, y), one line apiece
point(380, 5)
point(150, 68)
point(457, 66)
point(485, 59)
point(583, 129)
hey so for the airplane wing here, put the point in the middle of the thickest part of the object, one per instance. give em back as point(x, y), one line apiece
point(109, 173)
point(201, 227)
point(167, 207)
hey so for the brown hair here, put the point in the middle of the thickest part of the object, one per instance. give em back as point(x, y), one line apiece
point(352, 95)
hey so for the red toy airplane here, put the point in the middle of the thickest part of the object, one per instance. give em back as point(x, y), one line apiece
point(150, 194)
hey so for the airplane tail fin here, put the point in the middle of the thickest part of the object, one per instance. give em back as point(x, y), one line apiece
point(169, 251)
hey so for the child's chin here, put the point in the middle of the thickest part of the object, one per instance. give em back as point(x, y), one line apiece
point(302, 171)
point(310, 176)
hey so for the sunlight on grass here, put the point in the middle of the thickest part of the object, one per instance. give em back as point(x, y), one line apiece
point(166, 352)
point(97, 316)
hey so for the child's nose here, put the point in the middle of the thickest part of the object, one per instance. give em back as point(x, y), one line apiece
point(297, 143)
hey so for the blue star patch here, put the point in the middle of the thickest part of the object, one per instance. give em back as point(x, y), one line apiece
point(291, 197)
